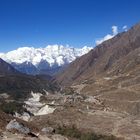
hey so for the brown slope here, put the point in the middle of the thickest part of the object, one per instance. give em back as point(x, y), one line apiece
point(103, 58)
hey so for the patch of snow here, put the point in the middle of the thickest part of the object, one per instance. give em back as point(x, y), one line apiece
point(4, 95)
point(25, 116)
point(45, 110)
point(34, 106)
point(35, 97)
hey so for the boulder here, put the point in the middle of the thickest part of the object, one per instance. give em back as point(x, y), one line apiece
point(47, 130)
point(13, 125)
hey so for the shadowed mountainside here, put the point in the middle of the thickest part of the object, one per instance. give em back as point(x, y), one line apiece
point(6, 69)
point(19, 85)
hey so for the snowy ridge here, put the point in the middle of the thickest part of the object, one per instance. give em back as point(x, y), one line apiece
point(52, 54)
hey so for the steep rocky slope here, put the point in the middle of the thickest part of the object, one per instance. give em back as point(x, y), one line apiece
point(6, 69)
point(115, 56)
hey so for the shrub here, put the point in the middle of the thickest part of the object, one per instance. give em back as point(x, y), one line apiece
point(73, 132)
point(11, 107)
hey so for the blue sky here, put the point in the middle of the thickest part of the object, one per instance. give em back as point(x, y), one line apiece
point(75, 22)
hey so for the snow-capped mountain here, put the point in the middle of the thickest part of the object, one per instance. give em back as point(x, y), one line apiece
point(32, 60)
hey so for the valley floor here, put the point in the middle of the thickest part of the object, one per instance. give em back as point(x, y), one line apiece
point(107, 106)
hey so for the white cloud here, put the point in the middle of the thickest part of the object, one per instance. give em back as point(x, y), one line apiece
point(1, 54)
point(124, 28)
point(114, 30)
point(108, 36)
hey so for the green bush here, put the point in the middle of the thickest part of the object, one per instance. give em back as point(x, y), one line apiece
point(12, 107)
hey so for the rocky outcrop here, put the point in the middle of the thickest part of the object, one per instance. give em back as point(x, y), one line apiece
point(13, 125)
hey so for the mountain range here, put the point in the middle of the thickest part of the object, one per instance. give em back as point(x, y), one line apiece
point(47, 60)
